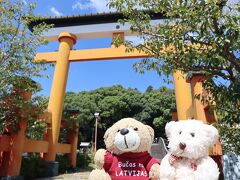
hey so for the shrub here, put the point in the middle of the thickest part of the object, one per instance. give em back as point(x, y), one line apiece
point(33, 167)
point(64, 164)
point(81, 162)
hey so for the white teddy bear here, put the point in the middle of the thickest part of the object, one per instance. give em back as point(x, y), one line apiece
point(187, 159)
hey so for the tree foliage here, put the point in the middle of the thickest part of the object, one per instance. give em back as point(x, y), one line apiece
point(17, 50)
point(229, 137)
point(114, 103)
point(149, 89)
point(195, 36)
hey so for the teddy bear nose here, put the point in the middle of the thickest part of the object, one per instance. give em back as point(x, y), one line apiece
point(124, 131)
point(182, 146)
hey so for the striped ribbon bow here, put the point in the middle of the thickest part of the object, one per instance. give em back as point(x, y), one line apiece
point(173, 159)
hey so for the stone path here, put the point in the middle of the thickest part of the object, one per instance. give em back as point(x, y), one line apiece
point(82, 175)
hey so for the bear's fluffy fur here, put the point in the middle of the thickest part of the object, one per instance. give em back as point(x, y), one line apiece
point(138, 139)
point(189, 141)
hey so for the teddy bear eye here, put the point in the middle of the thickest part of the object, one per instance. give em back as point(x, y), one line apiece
point(135, 129)
point(118, 130)
point(180, 132)
point(192, 134)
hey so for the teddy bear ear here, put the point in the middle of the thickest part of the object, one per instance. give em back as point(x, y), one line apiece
point(106, 134)
point(212, 133)
point(169, 127)
point(151, 131)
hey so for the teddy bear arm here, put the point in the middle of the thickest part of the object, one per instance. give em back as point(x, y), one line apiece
point(99, 158)
point(99, 174)
point(207, 170)
point(167, 171)
point(154, 171)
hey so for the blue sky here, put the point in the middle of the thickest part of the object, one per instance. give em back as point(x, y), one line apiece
point(94, 74)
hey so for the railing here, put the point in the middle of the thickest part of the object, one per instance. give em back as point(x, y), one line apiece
point(13, 145)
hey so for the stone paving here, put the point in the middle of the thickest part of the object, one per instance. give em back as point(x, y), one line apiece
point(82, 175)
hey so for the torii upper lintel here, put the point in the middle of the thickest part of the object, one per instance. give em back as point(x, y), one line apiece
point(90, 26)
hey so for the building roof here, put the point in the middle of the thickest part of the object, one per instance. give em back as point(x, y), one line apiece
point(87, 19)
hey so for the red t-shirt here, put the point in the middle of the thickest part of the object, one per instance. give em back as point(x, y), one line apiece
point(129, 165)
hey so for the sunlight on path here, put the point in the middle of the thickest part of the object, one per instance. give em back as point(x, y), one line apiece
point(80, 175)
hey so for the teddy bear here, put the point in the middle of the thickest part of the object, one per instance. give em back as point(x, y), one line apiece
point(187, 159)
point(127, 157)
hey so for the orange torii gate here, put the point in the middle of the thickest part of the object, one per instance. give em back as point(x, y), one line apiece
point(67, 30)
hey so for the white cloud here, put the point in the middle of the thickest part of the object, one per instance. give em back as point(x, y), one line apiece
point(97, 5)
point(81, 6)
point(55, 12)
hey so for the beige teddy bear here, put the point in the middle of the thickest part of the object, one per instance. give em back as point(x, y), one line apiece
point(127, 157)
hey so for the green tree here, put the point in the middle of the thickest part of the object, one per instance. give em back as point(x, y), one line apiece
point(149, 89)
point(229, 137)
point(17, 50)
point(114, 103)
point(200, 36)
point(156, 109)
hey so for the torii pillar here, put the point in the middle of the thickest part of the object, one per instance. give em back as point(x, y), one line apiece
point(56, 99)
point(197, 89)
point(183, 96)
